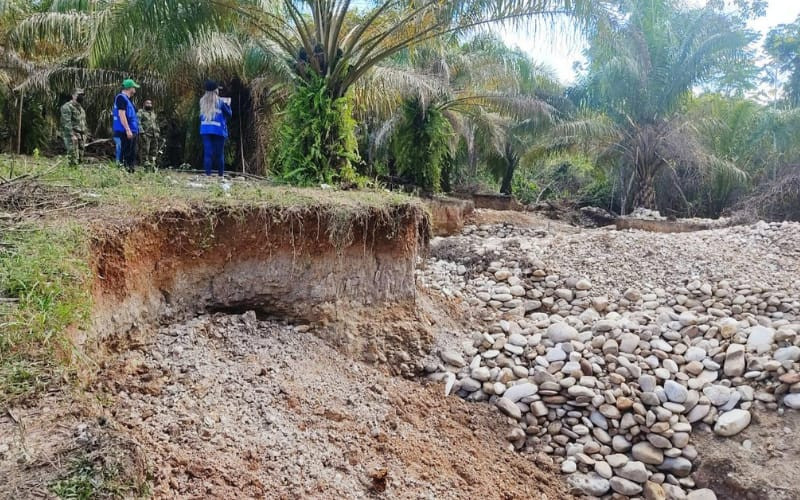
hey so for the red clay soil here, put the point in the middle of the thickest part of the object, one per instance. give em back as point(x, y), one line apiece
point(448, 215)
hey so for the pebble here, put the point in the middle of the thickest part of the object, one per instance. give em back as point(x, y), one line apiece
point(792, 401)
point(702, 494)
point(509, 408)
point(734, 361)
point(647, 453)
point(603, 469)
point(732, 422)
point(453, 358)
point(520, 391)
point(653, 491)
point(561, 332)
point(591, 484)
point(635, 471)
point(675, 391)
point(760, 339)
point(624, 486)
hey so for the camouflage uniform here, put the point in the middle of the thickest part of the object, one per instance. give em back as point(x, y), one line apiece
point(73, 130)
point(149, 137)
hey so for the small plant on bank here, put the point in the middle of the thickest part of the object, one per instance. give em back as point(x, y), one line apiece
point(89, 479)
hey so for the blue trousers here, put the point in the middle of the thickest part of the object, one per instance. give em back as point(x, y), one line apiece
point(118, 147)
point(213, 153)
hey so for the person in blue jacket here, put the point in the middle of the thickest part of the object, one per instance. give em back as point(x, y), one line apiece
point(214, 113)
point(126, 124)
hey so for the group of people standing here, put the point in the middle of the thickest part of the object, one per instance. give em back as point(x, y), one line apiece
point(132, 127)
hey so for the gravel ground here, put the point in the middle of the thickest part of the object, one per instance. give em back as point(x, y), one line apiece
point(609, 349)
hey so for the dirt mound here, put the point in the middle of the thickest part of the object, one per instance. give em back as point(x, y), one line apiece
point(233, 407)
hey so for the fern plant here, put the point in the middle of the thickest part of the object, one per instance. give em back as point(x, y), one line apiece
point(316, 138)
point(421, 145)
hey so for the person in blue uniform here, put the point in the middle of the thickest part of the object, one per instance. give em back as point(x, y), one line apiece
point(214, 113)
point(126, 123)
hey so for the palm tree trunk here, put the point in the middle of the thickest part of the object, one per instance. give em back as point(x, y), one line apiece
point(512, 160)
point(505, 186)
point(645, 193)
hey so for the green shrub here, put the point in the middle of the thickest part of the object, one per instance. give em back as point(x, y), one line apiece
point(421, 145)
point(316, 138)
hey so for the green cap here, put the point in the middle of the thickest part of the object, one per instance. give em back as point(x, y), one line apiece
point(128, 84)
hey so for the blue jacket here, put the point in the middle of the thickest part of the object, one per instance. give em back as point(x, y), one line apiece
point(217, 124)
point(130, 114)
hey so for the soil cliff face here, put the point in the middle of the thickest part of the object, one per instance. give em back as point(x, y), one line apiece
point(306, 265)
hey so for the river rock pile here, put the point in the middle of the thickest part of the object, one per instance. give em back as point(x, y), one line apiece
point(610, 385)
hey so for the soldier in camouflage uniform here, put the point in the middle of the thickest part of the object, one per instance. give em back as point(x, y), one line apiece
point(73, 127)
point(149, 135)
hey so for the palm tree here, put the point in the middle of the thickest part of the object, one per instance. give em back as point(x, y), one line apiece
point(641, 73)
point(477, 93)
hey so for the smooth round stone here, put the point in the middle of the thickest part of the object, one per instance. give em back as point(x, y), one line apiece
point(717, 394)
point(470, 385)
point(620, 444)
point(702, 494)
point(674, 407)
point(561, 332)
point(760, 339)
point(520, 391)
point(568, 467)
point(509, 408)
point(481, 373)
point(634, 471)
point(518, 340)
point(732, 422)
point(661, 373)
point(603, 469)
point(653, 491)
point(647, 383)
point(698, 413)
point(675, 391)
point(659, 441)
point(792, 401)
point(624, 486)
point(616, 460)
point(695, 354)
point(647, 453)
point(591, 484)
point(679, 467)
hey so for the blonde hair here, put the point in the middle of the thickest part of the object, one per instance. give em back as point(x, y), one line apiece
point(208, 104)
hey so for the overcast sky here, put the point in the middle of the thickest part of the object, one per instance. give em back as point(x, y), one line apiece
point(561, 53)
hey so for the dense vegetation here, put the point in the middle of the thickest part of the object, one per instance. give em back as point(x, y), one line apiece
point(675, 108)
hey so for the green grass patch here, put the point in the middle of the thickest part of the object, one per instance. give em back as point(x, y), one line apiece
point(45, 269)
point(87, 480)
point(107, 184)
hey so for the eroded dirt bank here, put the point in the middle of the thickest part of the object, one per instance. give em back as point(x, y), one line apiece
point(189, 396)
point(311, 265)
